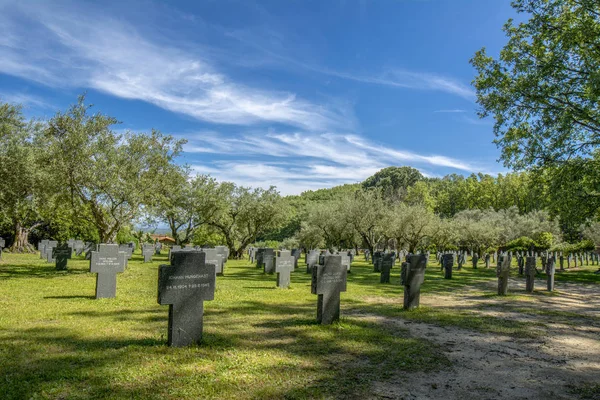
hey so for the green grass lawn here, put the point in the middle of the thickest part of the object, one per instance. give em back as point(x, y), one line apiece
point(58, 342)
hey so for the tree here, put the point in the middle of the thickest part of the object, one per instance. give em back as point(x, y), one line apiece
point(393, 181)
point(109, 177)
point(24, 180)
point(366, 212)
point(412, 226)
point(543, 89)
point(241, 214)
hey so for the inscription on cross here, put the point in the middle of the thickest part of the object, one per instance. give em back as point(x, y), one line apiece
point(284, 265)
point(328, 281)
point(184, 286)
point(106, 263)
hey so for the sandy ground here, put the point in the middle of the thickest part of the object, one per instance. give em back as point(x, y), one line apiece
point(492, 366)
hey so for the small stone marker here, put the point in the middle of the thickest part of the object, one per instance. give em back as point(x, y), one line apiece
point(447, 264)
point(377, 257)
point(413, 275)
point(61, 253)
point(328, 281)
point(296, 253)
point(269, 261)
point(503, 273)
point(106, 263)
point(387, 263)
point(148, 251)
point(213, 257)
point(89, 247)
point(550, 269)
point(184, 286)
point(157, 248)
point(530, 273)
point(259, 257)
point(487, 260)
point(42, 248)
point(346, 260)
point(49, 251)
point(312, 259)
point(127, 249)
point(475, 259)
point(284, 265)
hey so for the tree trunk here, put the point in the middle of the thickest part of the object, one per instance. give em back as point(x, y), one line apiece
point(21, 243)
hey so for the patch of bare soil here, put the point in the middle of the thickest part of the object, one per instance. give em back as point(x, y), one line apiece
point(492, 366)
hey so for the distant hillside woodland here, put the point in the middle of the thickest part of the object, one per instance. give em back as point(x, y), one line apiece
point(74, 177)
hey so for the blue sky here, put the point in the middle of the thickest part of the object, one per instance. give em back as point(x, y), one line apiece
point(297, 94)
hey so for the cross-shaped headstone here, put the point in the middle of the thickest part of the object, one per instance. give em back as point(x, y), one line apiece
point(530, 273)
point(127, 249)
point(213, 257)
point(412, 276)
point(550, 269)
point(49, 250)
point(157, 248)
point(284, 265)
point(259, 257)
point(224, 252)
point(312, 259)
point(503, 273)
point(148, 252)
point(106, 263)
point(328, 281)
point(269, 261)
point(184, 286)
point(447, 264)
point(61, 254)
point(377, 257)
point(89, 247)
point(296, 253)
point(387, 263)
point(346, 260)
point(475, 259)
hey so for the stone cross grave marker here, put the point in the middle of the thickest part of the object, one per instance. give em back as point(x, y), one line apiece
point(78, 247)
point(284, 265)
point(106, 263)
point(252, 254)
point(550, 269)
point(387, 263)
point(269, 261)
point(49, 251)
point(173, 249)
point(184, 286)
point(413, 275)
point(148, 251)
point(530, 273)
point(487, 260)
point(377, 257)
point(224, 252)
point(447, 264)
point(127, 249)
point(213, 257)
point(157, 248)
point(296, 253)
point(312, 259)
point(61, 253)
point(259, 257)
point(503, 273)
point(42, 248)
point(475, 260)
point(328, 281)
point(89, 247)
point(346, 260)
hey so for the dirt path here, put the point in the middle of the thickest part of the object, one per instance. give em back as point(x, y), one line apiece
point(492, 366)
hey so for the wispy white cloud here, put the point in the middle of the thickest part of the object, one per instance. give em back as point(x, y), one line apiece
point(62, 47)
point(290, 160)
point(451, 111)
point(24, 99)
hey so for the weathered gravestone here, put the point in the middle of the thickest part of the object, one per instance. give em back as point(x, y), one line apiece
point(49, 251)
point(377, 258)
point(147, 252)
point(213, 257)
point(530, 273)
point(312, 259)
point(106, 263)
point(184, 286)
point(42, 248)
point(447, 264)
point(284, 265)
point(503, 273)
point(127, 249)
point(259, 257)
point(224, 252)
point(269, 261)
point(562, 262)
point(461, 260)
point(550, 269)
point(328, 281)
point(296, 253)
point(475, 260)
point(346, 260)
point(61, 253)
point(157, 248)
point(387, 263)
point(412, 276)
point(487, 260)
point(173, 249)
point(521, 263)
point(89, 247)
point(252, 254)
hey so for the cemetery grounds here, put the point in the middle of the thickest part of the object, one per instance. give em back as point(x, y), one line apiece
point(58, 342)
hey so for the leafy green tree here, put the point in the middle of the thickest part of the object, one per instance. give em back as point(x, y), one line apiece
point(543, 89)
point(25, 195)
point(393, 181)
point(366, 212)
point(109, 177)
point(412, 226)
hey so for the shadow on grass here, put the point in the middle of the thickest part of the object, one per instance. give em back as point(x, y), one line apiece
point(8, 271)
point(70, 297)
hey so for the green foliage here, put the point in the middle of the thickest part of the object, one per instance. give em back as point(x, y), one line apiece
point(126, 235)
point(393, 181)
point(522, 243)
